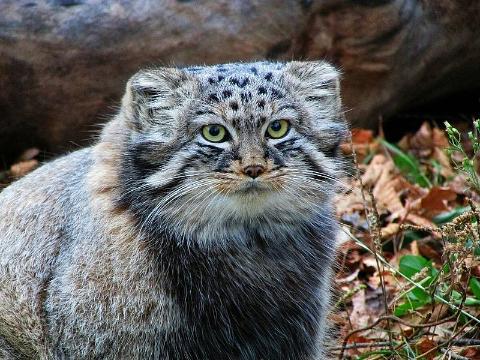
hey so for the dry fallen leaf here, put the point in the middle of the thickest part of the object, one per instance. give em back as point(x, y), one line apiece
point(414, 248)
point(426, 346)
point(349, 278)
point(375, 168)
point(350, 202)
point(436, 200)
point(382, 174)
point(431, 248)
point(363, 143)
point(360, 316)
point(362, 136)
point(424, 142)
point(29, 154)
point(22, 168)
point(390, 230)
point(439, 138)
point(445, 167)
point(471, 353)
point(476, 270)
point(421, 143)
point(420, 221)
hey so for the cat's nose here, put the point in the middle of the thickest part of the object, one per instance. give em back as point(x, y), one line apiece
point(254, 170)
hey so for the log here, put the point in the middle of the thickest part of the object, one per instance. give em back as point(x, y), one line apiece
point(64, 63)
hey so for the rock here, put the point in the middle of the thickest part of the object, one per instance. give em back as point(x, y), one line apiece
point(64, 63)
point(397, 53)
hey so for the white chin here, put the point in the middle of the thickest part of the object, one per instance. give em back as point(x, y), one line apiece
point(253, 187)
point(256, 202)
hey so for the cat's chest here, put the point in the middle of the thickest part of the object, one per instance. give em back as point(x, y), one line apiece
point(260, 266)
point(262, 299)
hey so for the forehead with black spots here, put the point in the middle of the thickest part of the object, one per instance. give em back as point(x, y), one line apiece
point(243, 91)
point(265, 69)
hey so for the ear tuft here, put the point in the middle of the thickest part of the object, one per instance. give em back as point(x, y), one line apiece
point(153, 98)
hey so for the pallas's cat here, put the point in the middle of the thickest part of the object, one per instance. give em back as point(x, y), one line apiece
point(199, 226)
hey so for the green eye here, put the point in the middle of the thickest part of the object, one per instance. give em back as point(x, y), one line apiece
point(215, 133)
point(278, 129)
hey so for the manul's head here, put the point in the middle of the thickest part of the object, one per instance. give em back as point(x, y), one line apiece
point(213, 148)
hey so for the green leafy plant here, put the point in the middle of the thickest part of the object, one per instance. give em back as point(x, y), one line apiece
point(426, 276)
point(464, 163)
point(408, 165)
point(413, 266)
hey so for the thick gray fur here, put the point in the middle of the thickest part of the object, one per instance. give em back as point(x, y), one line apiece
point(142, 246)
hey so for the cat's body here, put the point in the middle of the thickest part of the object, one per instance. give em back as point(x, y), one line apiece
point(158, 243)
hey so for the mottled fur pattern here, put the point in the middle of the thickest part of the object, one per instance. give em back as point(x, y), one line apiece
point(155, 244)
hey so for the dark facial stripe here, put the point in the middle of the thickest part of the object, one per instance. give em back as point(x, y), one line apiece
point(287, 143)
point(313, 166)
point(201, 152)
point(275, 94)
point(332, 151)
point(174, 183)
point(204, 112)
point(143, 159)
point(202, 145)
point(260, 121)
point(328, 146)
point(283, 107)
point(275, 155)
point(224, 161)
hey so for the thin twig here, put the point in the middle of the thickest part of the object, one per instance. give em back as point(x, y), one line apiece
point(372, 215)
point(453, 355)
point(378, 248)
point(466, 342)
point(396, 319)
point(361, 345)
point(448, 342)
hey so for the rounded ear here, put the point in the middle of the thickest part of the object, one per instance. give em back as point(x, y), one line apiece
point(153, 98)
point(318, 84)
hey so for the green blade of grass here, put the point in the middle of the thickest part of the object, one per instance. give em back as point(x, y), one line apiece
point(407, 165)
point(471, 302)
point(475, 287)
point(406, 307)
point(450, 215)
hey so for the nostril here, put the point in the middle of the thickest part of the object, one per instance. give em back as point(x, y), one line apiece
point(254, 170)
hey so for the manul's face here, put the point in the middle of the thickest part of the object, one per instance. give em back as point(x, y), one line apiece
point(246, 146)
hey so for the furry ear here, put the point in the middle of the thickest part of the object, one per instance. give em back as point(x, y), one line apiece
point(153, 98)
point(318, 84)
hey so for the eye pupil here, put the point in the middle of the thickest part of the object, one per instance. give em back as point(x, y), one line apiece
point(214, 130)
point(276, 126)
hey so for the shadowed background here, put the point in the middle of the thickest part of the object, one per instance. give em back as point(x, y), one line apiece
point(64, 63)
